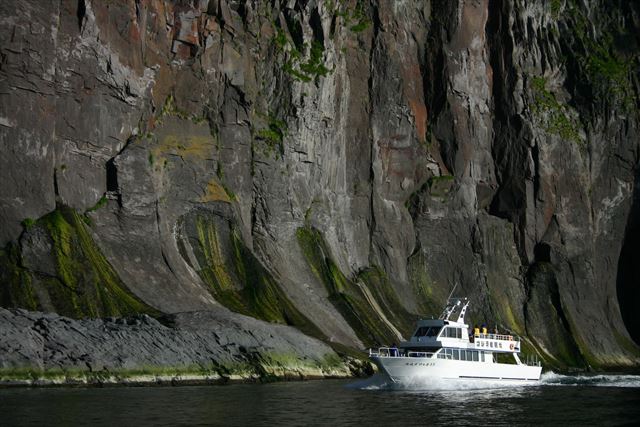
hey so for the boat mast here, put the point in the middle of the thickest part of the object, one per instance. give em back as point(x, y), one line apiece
point(463, 311)
point(451, 305)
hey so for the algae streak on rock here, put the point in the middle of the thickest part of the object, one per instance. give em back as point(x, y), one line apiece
point(331, 166)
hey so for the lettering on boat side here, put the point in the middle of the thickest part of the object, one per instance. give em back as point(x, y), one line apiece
point(420, 364)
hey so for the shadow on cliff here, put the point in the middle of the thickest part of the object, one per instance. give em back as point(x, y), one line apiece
point(629, 268)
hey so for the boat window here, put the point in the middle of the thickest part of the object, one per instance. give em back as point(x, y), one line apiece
point(422, 331)
point(476, 358)
point(456, 354)
point(462, 355)
point(427, 331)
point(453, 333)
point(482, 356)
point(433, 331)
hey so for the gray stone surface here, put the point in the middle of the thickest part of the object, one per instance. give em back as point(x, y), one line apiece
point(489, 144)
point(216, 341)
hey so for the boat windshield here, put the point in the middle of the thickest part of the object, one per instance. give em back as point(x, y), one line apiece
point(427, 331)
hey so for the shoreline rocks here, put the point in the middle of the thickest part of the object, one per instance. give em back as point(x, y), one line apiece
point(217, 346)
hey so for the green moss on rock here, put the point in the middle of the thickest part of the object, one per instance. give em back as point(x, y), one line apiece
point(552, 114)
point(239, 281)
point(603, 60)
point(350, 297)
point(84, 285)
point(16, 286)
point(378, 283)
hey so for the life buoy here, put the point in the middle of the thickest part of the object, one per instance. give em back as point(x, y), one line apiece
point(511, 346)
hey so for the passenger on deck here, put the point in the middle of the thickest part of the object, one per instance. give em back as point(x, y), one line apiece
point(495, 330)
point(484, 329)
point(476, 331)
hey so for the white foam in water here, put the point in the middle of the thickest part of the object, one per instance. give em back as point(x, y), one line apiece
point(380, 382)
point(552, 378)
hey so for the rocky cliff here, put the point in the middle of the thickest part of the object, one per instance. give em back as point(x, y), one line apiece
point(335, 166)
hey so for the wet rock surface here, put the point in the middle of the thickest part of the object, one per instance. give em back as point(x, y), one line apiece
point(164, 157)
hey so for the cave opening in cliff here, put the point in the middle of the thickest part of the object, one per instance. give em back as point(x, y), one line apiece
point(628, 280)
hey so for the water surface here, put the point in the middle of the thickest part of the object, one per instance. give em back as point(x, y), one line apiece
point(582, 400)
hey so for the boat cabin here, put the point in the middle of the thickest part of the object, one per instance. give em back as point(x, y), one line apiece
point(432, 335)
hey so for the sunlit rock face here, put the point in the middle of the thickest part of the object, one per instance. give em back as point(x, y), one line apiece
point(337, 166)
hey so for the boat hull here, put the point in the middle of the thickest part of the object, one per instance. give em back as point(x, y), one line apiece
point(411, 369)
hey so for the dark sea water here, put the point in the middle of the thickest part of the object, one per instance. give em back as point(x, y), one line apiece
point(558, 400)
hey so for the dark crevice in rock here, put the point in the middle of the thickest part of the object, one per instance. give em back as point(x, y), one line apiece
point(629, 268)
point(535, 153)
point(138, 11)
point(315, 22)
point(542, 252)
point(80, 13)
point(370, 84)
point(112, 176)
point(55, 182)
point(295, 28)
point(435, 87)
point(510, 147)
point(240, 8)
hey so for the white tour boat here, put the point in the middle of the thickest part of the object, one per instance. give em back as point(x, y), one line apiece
point(443, 349)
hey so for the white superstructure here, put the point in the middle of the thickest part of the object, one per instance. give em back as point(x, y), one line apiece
point(444, 349)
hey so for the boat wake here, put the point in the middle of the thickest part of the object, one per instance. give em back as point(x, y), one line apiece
point(381, 382)
point(551, 378)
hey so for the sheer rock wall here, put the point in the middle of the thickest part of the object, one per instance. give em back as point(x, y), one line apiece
point(333, 165)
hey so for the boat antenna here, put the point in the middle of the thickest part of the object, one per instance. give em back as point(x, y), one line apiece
point(451, 293)
point(451, 306)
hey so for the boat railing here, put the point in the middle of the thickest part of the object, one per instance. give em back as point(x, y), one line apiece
point(419, 354)
point(395, 352)
point(384, 352)
point(500, 337)
point(532, 360)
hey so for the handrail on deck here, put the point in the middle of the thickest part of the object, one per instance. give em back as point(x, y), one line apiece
point(395, 352)
point(500, 337)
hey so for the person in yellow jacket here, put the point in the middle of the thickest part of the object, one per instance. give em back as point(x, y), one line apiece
point(484, 329)
point(476, 331)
